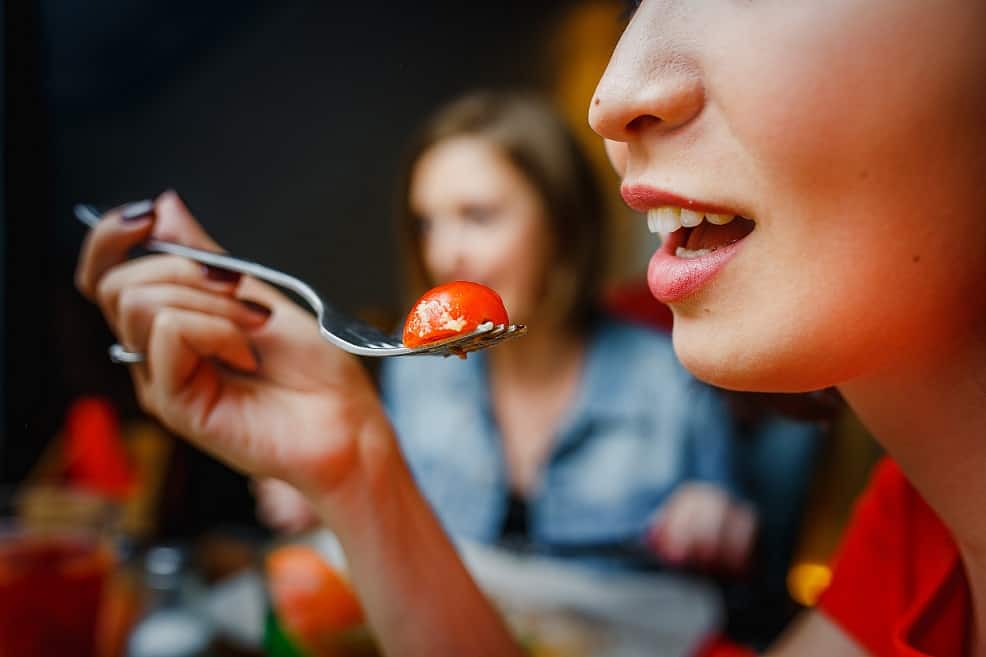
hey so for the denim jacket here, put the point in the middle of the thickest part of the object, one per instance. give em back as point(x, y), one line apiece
point(640, 426)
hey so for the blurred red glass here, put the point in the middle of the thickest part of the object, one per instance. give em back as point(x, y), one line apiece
point(51, 594)
point(54, 576)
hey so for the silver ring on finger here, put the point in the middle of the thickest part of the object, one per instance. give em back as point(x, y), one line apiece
point(120, 355)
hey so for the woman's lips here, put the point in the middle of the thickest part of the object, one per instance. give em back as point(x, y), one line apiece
point(671, 278)
point(644, 197)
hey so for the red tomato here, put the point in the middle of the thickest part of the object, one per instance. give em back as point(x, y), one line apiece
point(450, 310)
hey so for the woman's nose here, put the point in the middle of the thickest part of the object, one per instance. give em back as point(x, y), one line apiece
point(445, 253)
point(648, 86)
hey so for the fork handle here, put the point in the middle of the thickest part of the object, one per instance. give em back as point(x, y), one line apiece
point(90, 216)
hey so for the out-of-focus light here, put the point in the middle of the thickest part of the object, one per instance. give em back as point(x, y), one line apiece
point(807, 581)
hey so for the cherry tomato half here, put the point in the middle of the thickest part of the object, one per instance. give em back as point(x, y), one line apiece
point(450, 310)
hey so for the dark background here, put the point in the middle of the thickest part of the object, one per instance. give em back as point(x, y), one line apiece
point(280, 124)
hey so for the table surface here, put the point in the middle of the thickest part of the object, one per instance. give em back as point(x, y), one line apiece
point(577, 611)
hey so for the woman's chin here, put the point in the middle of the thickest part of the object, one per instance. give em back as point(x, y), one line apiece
point(754, 362)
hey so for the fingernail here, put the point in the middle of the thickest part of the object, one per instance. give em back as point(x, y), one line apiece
point(256, 308)
point(136, 211)
point(220, 275)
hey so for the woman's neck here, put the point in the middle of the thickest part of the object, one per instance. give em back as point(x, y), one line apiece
point(537, 356)
point(534, 381)
point(931, 417)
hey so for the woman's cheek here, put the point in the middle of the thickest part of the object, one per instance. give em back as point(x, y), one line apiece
point(515, 289)
point(520, 283)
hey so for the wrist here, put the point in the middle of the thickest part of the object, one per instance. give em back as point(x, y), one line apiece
point(394, 545)
point(374, 474)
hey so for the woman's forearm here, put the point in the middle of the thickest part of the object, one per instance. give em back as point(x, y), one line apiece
point(418, 596)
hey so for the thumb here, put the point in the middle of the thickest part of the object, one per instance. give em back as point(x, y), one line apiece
point(175, 223)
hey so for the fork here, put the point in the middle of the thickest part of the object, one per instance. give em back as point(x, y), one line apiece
point(343, 331)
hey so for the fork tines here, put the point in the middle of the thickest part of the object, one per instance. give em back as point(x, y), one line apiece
point(475, 341)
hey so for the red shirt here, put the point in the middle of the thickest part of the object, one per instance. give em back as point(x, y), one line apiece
point(899, 588)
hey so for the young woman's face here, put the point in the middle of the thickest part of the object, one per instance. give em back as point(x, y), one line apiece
point(852, 134)
point(481, 220)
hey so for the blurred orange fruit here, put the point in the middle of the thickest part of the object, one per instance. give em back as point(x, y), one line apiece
point(311, 599)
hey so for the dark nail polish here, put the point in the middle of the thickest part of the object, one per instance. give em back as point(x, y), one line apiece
point(256, 308)
point(220, 275)
point(137, 211)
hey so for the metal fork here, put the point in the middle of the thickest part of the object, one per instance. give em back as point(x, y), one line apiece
point(345, 332)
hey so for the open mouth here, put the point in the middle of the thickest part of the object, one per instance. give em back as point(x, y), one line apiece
point(694, 234)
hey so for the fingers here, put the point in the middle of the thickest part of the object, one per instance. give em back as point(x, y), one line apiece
point(675, 538)
point(176, 224)
point(193, 381)
point(159, 269)
point(738, 537)
point(182, 346)
point(708, 514)
point(139, 305)
point(107, 245)
point(690, 526)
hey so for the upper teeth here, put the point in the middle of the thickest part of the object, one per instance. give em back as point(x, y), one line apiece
point(668, 219)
